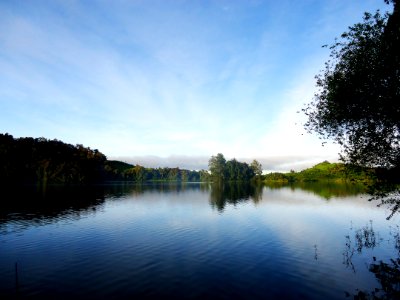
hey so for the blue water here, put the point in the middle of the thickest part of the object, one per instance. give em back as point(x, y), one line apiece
point(192, 241)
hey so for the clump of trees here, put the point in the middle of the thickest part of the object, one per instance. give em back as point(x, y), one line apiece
point(232, 170)
point(326, 171)
point(117, 170)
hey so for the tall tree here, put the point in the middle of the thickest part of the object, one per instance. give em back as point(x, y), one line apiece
point(358, 98)
point(256, 167)
point(217, 167)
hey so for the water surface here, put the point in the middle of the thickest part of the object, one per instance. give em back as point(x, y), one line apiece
point(196, 240)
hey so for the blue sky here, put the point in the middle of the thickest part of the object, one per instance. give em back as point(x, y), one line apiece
point(170, 83)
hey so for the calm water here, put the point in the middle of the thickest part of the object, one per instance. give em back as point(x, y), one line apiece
point(197, 240)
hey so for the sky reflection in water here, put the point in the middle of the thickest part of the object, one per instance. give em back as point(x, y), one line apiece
point(195, 240)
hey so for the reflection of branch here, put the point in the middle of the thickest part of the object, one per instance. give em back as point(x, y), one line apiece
point(315, 252)
point(365, 238)
point(387, 274)
point(348, 254)
point(395, 233)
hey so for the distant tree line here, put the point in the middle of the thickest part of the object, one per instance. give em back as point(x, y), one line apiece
point(117, 170)
point(326, 171)
point(41, 161)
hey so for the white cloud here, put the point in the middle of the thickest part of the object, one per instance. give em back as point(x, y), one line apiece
point(133, 79)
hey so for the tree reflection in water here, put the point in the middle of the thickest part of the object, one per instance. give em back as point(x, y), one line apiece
point(323, 189)
point(27, 205)
point(387, 273)
point(234, 193)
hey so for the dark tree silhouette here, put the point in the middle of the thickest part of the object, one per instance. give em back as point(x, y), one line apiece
point(358, 99)
point(41, 161)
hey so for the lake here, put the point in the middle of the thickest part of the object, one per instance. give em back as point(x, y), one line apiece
point(197, 241)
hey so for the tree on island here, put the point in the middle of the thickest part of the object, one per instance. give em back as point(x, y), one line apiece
point(217, 167)
point(238, 171)
point(256, 167)
point(358, 98)
point(232, 170)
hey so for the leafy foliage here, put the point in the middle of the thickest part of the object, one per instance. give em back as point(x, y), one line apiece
point(256, 167)
point(326, 171)
point(41, 161)
point(232, 170)
point(116, 170)
point(217, 167)
point(358, 99)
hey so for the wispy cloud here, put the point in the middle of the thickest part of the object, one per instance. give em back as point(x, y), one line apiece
point(184, 78)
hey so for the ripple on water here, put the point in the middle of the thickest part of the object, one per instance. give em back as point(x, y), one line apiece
point(156, 245)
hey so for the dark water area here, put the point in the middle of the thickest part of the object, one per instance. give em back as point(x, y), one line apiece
point(188, 241)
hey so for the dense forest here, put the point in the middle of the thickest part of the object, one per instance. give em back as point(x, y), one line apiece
point(41, 161)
